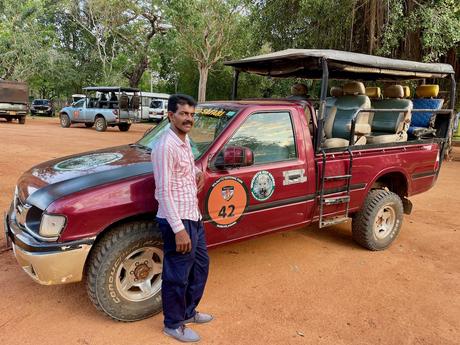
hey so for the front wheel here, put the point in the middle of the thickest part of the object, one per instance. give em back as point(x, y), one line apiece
point(378, 223)
point(124, 127)
point(100, 124)
point(22, 119)
point(124, 272)
point(65, 121)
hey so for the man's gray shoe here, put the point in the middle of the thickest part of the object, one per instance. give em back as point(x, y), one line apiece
point(182, 333)
point(199, 318)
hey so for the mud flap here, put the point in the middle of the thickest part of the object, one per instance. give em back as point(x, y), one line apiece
point(407, 206)
point(5, 229)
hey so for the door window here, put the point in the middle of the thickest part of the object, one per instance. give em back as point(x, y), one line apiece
point(269, 135)
point(80, 103)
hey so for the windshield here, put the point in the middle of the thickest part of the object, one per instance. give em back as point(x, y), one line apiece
point(40, 102)
point(156, 104)
point(209, 123)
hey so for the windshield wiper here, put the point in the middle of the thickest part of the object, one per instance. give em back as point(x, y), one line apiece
point(140, 146)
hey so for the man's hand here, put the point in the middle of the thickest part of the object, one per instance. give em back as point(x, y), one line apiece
point(199, 181)
point(183, 243)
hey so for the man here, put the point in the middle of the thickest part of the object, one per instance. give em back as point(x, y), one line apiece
point(113, 100)
point(299, 91)
point(185, 261)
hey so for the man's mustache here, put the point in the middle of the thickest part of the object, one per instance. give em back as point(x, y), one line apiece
point(187, 123)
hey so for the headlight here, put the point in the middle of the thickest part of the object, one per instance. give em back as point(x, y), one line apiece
point(51, 226)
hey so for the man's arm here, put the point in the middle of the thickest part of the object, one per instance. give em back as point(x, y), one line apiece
point(199, 179)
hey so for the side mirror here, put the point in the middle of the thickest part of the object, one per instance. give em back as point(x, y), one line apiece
point(234, 157)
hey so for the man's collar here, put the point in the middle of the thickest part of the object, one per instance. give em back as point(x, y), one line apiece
point(176, 139)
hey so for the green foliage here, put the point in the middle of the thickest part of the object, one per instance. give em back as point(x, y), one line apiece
point(60, 46)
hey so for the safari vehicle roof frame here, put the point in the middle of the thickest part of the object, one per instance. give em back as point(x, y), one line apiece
point(111, 88)
point(328, 64)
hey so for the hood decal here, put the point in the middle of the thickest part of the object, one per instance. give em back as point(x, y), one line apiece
point(43, 197)
point(87, 162)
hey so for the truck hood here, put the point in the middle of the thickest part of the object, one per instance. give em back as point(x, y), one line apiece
point(51, 180)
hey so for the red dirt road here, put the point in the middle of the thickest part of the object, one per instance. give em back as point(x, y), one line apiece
point(306, 286)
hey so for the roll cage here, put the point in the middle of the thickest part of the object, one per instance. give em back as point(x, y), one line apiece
point(329, 64)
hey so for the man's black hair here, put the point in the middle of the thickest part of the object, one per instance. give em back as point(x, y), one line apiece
point(179, 99)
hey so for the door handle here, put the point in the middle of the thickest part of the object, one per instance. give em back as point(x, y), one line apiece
point(294, 176)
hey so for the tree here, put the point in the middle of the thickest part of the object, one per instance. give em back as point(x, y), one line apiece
point(205, 30)
point(25, 42)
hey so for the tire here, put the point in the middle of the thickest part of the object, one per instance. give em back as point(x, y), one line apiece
point(22, 119)
point(65, 121)
point(89, 124)
point(129, 251)
point(100, 124)
point(124, 127)
point(378, 223)
point(9, 119)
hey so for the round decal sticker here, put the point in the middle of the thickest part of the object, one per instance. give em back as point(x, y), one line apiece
point(262, 185)
point(88, 161)
point(227, 200)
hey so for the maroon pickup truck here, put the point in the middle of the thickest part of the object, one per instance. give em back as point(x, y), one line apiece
point(269, 165)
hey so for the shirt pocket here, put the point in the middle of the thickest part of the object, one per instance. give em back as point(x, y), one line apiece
point(183, 168)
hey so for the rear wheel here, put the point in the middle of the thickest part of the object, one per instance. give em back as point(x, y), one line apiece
point(22, 119)
point(124, 127)
point(100, 124)
point(65, 121)
point(378, 223)
point(124, 272)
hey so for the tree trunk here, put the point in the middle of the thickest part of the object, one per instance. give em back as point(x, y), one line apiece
point(372, 20)
point(136, 75)
point(204, 70)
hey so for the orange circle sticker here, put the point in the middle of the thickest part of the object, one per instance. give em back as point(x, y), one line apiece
point(227, 200)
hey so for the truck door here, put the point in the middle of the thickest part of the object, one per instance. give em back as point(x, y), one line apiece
point(269, 195)
point(79, 109)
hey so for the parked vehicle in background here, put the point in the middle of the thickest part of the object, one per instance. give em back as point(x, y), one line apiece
point(77, 96)
point(158, 109)
point(103, 106)
point(154, 106)
point(268, 165)
point(42, 107)
point(14, 99)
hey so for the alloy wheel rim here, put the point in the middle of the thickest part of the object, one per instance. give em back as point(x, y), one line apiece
point(99, 124)
point(138, 277)
point(384, 222)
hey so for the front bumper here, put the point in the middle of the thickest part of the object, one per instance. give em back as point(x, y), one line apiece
point(41, 111)
point(47, 263)
point(156, 116)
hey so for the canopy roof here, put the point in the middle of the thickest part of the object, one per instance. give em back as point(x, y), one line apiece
point(110, 88)
point(306, 63)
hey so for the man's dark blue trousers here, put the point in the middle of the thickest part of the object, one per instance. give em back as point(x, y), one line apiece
point(184, 275)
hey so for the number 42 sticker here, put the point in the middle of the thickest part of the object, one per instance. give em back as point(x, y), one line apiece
point(227, 201)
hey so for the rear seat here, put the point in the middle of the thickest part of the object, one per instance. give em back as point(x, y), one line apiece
point(335, 92)
point(390, 126)
point(373, 92)
point(338, 122)
point(422, 123)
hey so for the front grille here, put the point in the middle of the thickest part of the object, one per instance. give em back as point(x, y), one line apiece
point(27, 217)
point(21, 211)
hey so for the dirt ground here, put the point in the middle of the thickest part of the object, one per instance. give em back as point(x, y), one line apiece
point(306, 286)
